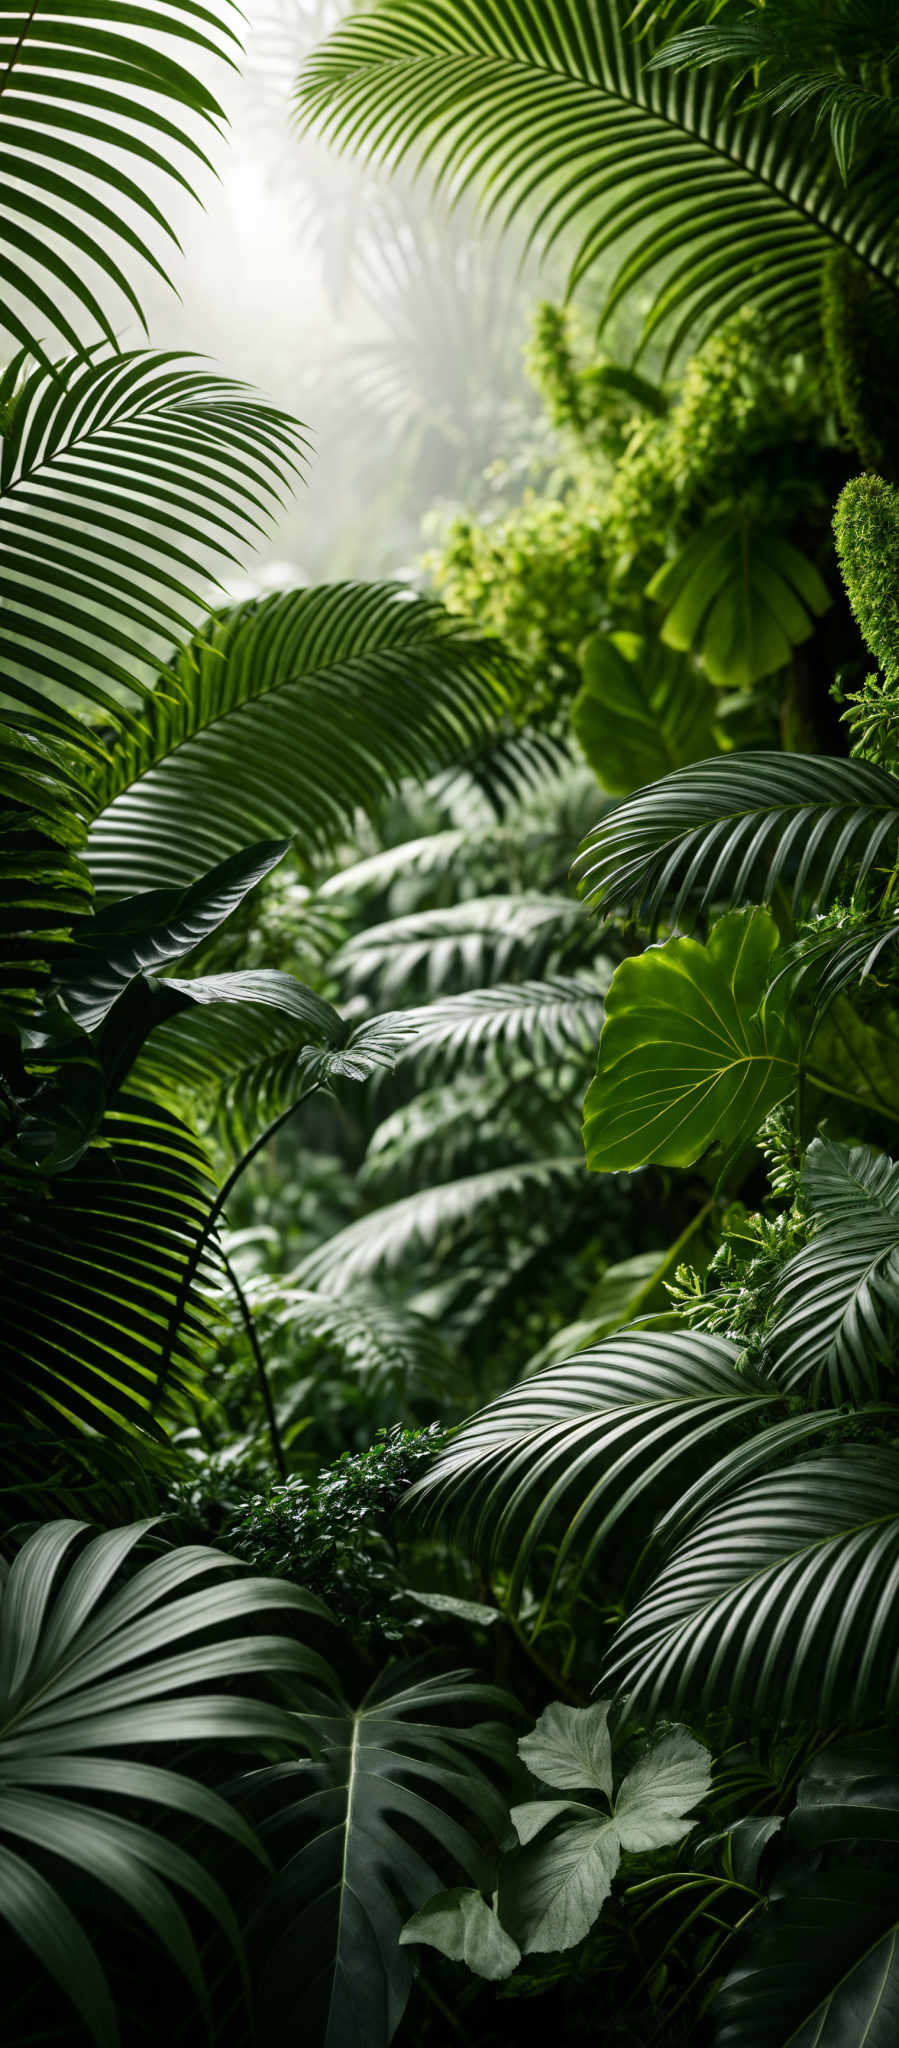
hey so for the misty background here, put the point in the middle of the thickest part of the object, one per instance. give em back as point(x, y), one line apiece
point(390, 323)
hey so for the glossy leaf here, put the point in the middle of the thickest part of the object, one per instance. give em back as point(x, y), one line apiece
point(93, 115)
point(685, 1059)
point(740, 596)
point(91, 1668)
point(780, 1601)
point(555, 115)
point(735, 828)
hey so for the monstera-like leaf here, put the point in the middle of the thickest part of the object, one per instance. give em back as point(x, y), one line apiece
point(403, 1789)
point(740, 596)
point(686, 1060)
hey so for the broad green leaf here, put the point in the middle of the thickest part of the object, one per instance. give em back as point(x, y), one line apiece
point(571, 1748)
point(858, 1059)
point(685, 1060)
point(742, 597)
point(462, 1926)
point(402, 1794)
point(640, 711)
point(656, 1797)
point(551, 1892)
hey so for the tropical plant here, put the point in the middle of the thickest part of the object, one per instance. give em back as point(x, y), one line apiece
point(102, 1660)
point(562, 117)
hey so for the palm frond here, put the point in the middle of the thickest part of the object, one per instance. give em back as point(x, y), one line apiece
point(436, 1216)
point(114, 1247)
point(484, 1120)
point(843, 955)
point(122, 482)
point(305, 708)
point(780, 1602)
point(835, 1313)
point(557, 116)
point(96, 109)
point(541, 1020)
point(362, 1332)
point(573, 1450)
point(470, 943)
point(234, 1069)
point(403, 1788)
point(733, 829)
point(90, 1669)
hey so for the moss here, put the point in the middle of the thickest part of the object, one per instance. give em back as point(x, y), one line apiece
point(866, 528)
point(859, 326)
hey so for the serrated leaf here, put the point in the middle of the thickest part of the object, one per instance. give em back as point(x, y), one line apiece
point(551, 1892)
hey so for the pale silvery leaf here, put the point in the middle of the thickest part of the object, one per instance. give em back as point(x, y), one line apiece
point(570, 1748)
point(463, 1610)
point(551, 1892)
point(462, 1926)
point(528, 1820)
point(656, 1797)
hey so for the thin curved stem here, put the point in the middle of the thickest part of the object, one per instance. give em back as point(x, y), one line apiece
point(224, 1194)
point(262, 1375)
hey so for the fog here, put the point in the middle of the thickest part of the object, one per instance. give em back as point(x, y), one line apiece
point(392, 326)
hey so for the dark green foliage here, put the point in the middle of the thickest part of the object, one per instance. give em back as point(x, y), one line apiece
point(336, 1537)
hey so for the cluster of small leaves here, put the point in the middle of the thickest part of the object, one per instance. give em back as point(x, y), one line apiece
point(631, 478)
point(734, 1295)
point(334, 1536)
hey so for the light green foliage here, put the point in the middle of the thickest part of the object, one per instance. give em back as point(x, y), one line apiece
point(642, 490)
point(552, 1888)
point(685, 1058)
point(866, 526)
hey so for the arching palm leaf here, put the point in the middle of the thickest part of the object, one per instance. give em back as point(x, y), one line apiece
point(539, 1019)
point(119, 480)
point(556, 113)
point(733, 829)
point(304, 708)
point(92, 114)
point(114, 1248)
point(470, 942)
point(404, 1786)
point(419, 1221)
point(576, 1448)
point(836, 1308)
point(780, 1602)
point(90, 1671)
